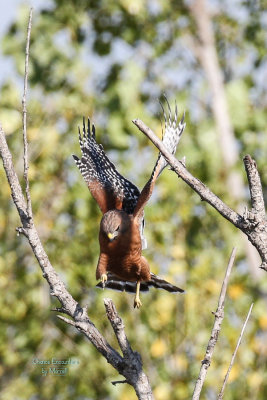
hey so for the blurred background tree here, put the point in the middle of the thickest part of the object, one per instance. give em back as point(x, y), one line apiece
point(112, 60)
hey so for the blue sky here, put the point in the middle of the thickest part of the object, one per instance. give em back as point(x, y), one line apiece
point(10, 8)
point(8, 12)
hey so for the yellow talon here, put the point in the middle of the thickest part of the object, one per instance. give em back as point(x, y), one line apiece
point(104, 279)
point(137, 301)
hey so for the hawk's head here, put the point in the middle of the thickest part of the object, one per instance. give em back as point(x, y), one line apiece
point(114, 223)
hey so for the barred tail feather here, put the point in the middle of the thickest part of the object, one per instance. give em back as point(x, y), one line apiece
point(116, 283)
point(160, 283)
point(122, 286)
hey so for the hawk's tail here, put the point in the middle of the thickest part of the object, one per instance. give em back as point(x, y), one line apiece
point(116, 283)
point(160, 283)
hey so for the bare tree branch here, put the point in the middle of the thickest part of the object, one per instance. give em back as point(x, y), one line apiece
point(67, 320)
point(134, 361)
point(220, 396)
point(16, 191)
point(257, 200)
point(193, 182)
point(118, 327)
point(204, 47)
point(24, 119)
point(219, 315)
point(254, 227)
point(130, 366)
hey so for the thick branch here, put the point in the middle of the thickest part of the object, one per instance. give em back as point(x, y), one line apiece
point(16, 191)
point(118, 327)
point(256, 231)
point(204, 192)
point(133, 359)
point(219, 315)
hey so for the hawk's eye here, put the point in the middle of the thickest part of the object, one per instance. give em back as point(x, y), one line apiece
point(117, 229)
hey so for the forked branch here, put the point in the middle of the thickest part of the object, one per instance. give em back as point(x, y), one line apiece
point(253, 223)
point(219, 315)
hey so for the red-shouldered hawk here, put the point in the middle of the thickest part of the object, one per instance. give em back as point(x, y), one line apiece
point(121, 265)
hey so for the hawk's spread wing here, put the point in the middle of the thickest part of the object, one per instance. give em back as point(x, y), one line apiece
point(109, 188)
point(171, 137)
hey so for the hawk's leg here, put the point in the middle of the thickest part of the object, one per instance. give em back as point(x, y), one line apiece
point(104, 279)
point(137, 301)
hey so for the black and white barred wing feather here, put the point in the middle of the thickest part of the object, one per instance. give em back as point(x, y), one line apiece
point(109, 188)
point(171, 136)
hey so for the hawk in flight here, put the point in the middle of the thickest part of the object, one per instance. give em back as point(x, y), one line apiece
point(121, 265)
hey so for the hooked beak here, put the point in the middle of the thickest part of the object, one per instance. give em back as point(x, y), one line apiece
point(112, 236)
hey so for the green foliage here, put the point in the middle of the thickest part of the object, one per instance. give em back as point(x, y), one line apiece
point(111, 60)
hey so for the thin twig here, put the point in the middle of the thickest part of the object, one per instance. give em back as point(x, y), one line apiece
point(114, 383)
point(219, 315)
point(234, 354)
point(67, 320)
point(58, 309)
point(24, 119)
